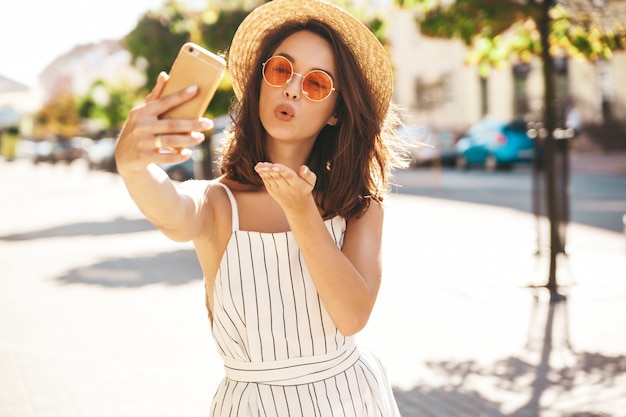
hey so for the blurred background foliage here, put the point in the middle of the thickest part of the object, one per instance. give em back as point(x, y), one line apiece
point(499, 32)
point(58, 117)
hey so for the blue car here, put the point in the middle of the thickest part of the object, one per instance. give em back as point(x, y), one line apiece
point(494, 145)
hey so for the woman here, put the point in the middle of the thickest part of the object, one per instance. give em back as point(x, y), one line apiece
point(289, 238)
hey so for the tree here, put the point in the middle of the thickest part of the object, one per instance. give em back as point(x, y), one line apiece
point(108, 104)
point(159, 35)
point(157, 38)
point(500, 31)
point(58, 118)
point(216, 30)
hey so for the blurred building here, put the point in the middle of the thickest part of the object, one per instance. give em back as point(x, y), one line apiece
point(77, 70)
point(17, 103)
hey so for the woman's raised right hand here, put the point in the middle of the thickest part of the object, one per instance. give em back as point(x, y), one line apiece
point(144, 134)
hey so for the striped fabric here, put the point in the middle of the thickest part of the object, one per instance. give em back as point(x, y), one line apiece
point(283, 355)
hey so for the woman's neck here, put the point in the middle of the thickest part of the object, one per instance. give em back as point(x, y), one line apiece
point(292, 155)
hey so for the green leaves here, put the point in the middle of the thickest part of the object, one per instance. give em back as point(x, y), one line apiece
point(107, 104)
point(581, 35)
point(502, 31)
point(157, 39)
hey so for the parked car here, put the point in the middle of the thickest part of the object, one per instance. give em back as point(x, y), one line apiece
point(44, 152)
point(60, 151)
point(205, 156)
point(446, 142)
point(428, 145)
point(494, 144)
point(185, 170)
point(100, 154)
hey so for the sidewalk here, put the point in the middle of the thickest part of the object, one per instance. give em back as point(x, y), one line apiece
point(100, 315)
point(613, 162)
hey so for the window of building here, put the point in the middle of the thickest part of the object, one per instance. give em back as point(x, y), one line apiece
point(521, 105)
point(435, 93)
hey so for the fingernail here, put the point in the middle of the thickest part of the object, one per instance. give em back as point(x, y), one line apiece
point(191, 89)
point(206, 124)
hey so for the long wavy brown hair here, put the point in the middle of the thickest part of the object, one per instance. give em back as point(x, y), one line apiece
point(352, 160)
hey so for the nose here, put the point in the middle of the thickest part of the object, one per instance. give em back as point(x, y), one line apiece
point(293, 88)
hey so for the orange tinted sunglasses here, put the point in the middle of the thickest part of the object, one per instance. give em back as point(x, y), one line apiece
point(316, 85)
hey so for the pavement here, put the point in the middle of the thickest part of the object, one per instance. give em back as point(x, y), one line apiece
point(102, 316)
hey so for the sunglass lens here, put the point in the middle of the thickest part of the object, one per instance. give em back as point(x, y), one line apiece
point(277, 71)
point(317, 85)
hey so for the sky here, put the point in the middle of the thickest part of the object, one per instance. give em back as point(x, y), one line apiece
point(35, 32)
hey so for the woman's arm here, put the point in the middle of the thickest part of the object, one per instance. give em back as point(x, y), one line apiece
point(173, 210)
point(346, 279)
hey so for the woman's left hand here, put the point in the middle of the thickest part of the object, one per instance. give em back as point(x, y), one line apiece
point(290, 189)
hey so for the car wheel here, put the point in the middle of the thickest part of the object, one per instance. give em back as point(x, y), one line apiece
point(491, 164)
point(461, 162)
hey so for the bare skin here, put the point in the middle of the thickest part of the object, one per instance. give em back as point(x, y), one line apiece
point(347, 279)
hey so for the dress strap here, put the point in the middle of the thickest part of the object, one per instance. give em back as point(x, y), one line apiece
point(233, 205)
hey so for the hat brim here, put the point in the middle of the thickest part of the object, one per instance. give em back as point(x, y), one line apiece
point(370, 54)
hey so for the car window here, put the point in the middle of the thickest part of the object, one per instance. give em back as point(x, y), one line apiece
point(485, 127)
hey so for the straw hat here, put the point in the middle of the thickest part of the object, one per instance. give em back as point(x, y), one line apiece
point(370, 54)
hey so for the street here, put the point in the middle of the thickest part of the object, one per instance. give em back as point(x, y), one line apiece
point(597, 189)
point(100, 315)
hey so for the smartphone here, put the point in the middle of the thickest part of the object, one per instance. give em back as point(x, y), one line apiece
point(194, 65)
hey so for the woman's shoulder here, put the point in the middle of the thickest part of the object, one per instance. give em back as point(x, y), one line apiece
point(373, 214)
point(221, 192)
point(206, 193)
point(193, 186)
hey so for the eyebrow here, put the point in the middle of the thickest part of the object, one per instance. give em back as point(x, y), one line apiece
point(293, 61)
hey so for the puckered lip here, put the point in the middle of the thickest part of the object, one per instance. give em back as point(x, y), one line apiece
point(284, 112)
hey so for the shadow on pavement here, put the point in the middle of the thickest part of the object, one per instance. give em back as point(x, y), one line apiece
point(170, 268)
point(445, 401)
point(118, 226)
point(585, 381)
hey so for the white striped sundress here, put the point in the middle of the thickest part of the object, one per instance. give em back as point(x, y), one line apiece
point(283, 356)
